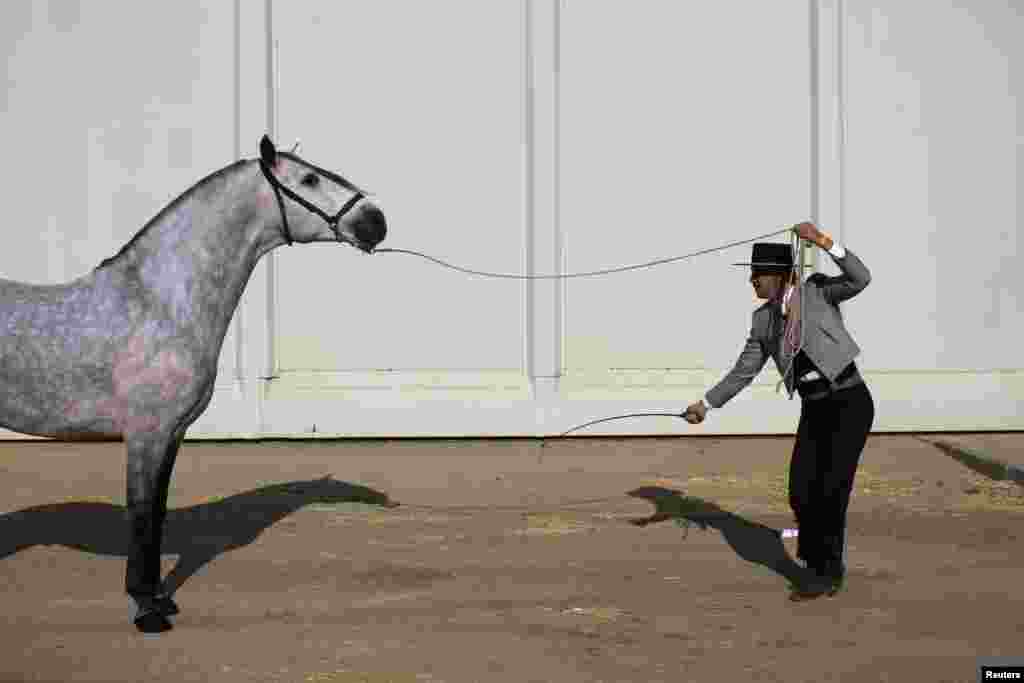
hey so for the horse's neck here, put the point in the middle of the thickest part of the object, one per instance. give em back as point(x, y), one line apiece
point(272, 501)
point(194, 260)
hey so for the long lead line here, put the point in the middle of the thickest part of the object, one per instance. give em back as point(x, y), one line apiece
point(606, 271)
point(565, 276)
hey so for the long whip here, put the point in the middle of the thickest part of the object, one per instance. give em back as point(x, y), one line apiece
point(617, 417)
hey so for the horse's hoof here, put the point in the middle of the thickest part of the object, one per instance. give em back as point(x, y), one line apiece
point(152, 621)
point(165, 605)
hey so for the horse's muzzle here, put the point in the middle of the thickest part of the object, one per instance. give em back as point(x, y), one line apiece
point(371, 228)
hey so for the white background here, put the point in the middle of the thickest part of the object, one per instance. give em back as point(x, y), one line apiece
point(547, 136)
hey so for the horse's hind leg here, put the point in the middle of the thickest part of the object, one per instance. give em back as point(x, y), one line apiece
point(150, 462)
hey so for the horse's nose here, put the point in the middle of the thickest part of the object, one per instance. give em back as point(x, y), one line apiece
point(372, 226)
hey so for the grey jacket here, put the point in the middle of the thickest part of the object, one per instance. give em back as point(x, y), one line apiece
point(825, 339)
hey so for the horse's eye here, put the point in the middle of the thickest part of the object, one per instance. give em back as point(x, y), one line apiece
point(311, 180)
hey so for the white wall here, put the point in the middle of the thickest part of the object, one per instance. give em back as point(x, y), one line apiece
point(540, 136)
point(110, 111)
point(934, 168)
point(934, 171)
point(422, 105)
point(673, 139)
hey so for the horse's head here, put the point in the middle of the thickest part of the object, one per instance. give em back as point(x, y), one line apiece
point(328, 490)
point(315, 205)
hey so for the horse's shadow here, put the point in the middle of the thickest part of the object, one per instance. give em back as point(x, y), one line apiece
point(751, 541)
point(197, 534)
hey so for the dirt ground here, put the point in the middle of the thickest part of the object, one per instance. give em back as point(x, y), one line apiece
point(508, 560)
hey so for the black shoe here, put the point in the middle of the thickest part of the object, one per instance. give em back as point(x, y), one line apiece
point(151, 612)
point(149, 620)
point(835, 573)
point(810, 590)
point(165, 605)
point(813, 584)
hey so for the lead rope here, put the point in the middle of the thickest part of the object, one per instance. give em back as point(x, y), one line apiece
point(606, 271)
point(565, 276)
point(798, 266)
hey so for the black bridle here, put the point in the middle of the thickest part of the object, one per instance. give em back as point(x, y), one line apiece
point(332, 221)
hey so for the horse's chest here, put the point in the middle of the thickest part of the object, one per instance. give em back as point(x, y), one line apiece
point(146, 384)
point(163, 373)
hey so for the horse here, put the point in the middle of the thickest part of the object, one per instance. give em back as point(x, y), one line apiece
point(129, 351)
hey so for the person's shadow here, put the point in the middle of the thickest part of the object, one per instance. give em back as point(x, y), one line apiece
point(976, 462)
point(197, 534)
point(753, 542)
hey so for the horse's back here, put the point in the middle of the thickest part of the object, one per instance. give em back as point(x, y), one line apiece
point(14, 294)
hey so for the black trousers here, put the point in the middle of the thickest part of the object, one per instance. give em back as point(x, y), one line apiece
point(829, 441)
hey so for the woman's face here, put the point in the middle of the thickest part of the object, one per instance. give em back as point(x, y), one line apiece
point(767, 285)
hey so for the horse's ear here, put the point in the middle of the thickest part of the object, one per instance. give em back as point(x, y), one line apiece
point(267, 151)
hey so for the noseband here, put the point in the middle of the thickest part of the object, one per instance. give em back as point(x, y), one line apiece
point(332, 221)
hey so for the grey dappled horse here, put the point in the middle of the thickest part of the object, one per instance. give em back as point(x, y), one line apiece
point(130, 350)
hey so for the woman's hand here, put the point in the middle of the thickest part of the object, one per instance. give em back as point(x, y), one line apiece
point(695, 413)
point(809, 231)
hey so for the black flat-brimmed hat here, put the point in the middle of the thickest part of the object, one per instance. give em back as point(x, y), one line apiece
point(773, 256)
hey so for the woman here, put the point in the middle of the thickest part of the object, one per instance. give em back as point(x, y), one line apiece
point(836, 410)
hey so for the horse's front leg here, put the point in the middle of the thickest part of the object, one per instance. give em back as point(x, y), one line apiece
point(150, 463)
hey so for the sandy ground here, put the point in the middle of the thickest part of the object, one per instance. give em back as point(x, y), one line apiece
point(509, 561)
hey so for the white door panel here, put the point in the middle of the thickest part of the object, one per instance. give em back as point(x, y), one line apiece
point(935, 169)
point(106, 121)
point(684, 126)
point(420, 103)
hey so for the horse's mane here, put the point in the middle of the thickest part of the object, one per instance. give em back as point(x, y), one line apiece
point(211, 179)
